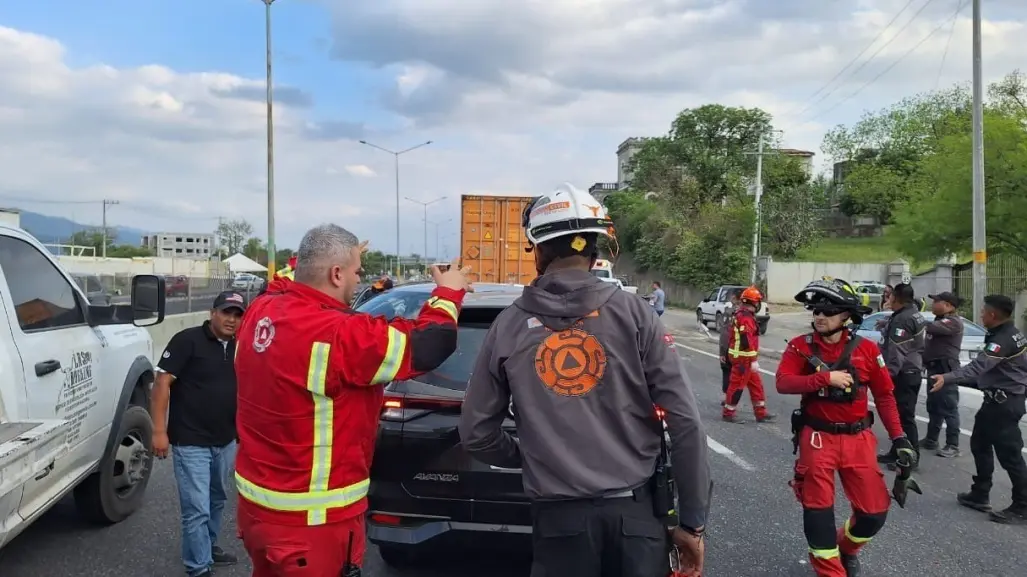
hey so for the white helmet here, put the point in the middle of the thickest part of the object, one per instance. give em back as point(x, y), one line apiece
point(567, 210)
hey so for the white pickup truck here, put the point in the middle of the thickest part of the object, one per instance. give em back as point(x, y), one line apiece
point(74, 390)
point(715, 307)
point(603, 270)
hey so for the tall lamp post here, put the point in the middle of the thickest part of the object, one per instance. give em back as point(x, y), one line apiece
point(396, 154)
point(426, 205)
point(270, 148)
point(437, 235)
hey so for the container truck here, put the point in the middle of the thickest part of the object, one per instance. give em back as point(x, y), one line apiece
point(492, 241)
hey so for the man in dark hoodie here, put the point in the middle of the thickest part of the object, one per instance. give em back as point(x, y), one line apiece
point(586, 365)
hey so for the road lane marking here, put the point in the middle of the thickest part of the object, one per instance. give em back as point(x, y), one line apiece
point(772, 374)
point(728, 453)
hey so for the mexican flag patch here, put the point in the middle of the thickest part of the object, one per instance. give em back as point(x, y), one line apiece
point(880, 361)
point(994, 348)
point(900, 333)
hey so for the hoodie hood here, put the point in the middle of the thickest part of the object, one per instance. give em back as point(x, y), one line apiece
point(559, 299)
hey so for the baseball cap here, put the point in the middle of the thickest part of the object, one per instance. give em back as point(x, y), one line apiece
point(229, 300)
point(948, 298)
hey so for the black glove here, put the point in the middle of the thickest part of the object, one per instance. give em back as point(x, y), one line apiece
point(905, 455)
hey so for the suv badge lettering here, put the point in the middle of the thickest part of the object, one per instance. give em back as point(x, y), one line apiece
point(439, 477)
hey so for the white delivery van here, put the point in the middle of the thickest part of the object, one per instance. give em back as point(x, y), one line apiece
point(75, 384)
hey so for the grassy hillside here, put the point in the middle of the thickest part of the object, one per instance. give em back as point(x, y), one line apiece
point(880, 249)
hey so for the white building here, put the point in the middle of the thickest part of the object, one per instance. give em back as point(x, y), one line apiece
point(625, 152)
point(805, 158)
point(181, 244)
point(10, 217)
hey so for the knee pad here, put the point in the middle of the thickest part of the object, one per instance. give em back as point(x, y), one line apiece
point(865, 525)
point(818, 525)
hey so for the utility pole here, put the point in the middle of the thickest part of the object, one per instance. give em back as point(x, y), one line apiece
point(759, 212)
point(270, 147)
point(980, 264)
point(106, 203)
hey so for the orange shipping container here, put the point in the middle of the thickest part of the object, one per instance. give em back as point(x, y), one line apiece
point(492, 241)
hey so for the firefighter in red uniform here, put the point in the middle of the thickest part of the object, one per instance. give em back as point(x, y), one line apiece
point(832, 369)
point(742, 353)
point(311, 373)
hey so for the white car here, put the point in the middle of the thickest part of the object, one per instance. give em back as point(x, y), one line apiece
point(245, 281)
point(716, 306)
point(973, 334)
point(74, 398)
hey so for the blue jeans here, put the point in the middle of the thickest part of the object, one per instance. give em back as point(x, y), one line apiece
point(202, 474)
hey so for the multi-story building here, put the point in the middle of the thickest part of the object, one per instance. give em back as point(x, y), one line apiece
point(804, 156)
point(181, 244)
point(601, 190)
point(625, 152)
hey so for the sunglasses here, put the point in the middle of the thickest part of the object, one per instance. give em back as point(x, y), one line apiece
point(827, 311)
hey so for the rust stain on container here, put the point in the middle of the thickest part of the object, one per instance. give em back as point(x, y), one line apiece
point(492, 241)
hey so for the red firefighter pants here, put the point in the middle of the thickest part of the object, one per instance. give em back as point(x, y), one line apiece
point(854, 459)
point(743, 376)
point(290, 551)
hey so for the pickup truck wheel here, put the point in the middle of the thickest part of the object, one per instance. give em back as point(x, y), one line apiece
point(763, 327)
point(720, 321)
point(116, 491)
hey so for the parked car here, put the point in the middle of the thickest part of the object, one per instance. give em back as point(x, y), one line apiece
point(245, 281)
point(871, 292)
point(176, 286)
point(973, 334)
point(714, 308)
point(94, 289)
point(425, 490)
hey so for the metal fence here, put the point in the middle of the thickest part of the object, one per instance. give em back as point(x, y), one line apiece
point(184, 294)
point(1007, 275)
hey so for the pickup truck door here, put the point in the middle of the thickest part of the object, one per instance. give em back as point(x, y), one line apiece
point(709, 306)
point(61, 360)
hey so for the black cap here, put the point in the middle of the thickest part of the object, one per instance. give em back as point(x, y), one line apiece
point(1001, 303)
point(948, 298)
point(229, 300)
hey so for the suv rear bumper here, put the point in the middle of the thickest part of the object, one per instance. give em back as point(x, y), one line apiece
point(416, 531)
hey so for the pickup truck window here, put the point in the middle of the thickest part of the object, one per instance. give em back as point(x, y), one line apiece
point(43, 299)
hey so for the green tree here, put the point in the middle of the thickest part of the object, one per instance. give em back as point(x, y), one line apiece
point(255, 248)
point(937, 220)
point(234, 235)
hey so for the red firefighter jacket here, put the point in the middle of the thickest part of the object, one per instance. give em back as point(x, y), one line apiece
point(744, 341)
point(310, 371)
point(795, 375)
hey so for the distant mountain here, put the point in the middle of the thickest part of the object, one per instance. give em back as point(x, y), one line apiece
point(55, 229)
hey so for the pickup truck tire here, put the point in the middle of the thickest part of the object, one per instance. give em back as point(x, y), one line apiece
point(719, 323)
point(113, 493)
point(763, 327)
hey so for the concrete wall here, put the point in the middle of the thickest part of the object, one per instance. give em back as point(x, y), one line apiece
point(162, 333)
point(142, 265)
point(937, 280)
point(785, 279)
point(677, 293)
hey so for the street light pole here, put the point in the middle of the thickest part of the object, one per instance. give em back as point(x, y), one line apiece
point(437, 236)
point(426, 205)
point(980, 263)
point(270, 148)
point(396, 154)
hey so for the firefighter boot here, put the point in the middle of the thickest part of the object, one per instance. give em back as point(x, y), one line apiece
point(732, 417)
point(767, 418)
point(852, 565)
point(974, 501)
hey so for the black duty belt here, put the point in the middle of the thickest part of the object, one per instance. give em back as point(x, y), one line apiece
point(840, 428)
point(999, 396)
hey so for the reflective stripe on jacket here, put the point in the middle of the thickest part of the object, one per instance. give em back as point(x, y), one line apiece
point(744, 343)
point(311, 371)
point(287, 272)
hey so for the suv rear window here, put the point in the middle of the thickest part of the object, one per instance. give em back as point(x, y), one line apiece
point(474, 325)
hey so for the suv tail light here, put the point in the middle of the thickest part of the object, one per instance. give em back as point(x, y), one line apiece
point(402, 408)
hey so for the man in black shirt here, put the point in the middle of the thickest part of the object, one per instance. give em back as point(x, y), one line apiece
point(193, 411)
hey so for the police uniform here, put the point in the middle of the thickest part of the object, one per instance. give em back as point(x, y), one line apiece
point(941, 355)
point(902, 349)
point(1000, 372)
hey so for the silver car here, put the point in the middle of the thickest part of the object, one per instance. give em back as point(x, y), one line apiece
point(973, 334)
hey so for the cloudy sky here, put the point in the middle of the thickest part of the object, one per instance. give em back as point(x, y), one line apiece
point(160, 105)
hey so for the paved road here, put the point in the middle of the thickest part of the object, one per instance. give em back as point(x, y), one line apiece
point(755, 529)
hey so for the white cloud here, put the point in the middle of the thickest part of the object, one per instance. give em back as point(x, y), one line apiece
point(360, 170)
point(518, 97)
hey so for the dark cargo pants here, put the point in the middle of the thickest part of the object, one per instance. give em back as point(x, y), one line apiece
point(907, 392)
point(613, 537)
point(943, 406)
point(997, 434)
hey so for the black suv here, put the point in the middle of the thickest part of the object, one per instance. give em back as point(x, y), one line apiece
point(425, 490)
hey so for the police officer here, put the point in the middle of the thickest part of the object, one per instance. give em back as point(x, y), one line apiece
point(1000, 372)
point(585, 363)
point(902, 348)
point(941, 355)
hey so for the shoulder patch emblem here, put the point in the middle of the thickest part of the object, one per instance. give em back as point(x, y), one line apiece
point(534, 323)
point(899, 332)
point(880, 361)
point(263, 335)
point(994, 348)
point(166, 355)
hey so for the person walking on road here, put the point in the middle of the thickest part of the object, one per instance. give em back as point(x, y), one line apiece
point(193, 406)
point(659, 299)
point(585, 363)
point(941, 355)
point(1000, 372)
point(311, 377)
point(833, 369)
point(902, 347)
point(725, 343)
point(742, 355)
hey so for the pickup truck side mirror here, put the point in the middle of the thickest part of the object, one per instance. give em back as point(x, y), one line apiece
point(706, 300)
point(148, 300)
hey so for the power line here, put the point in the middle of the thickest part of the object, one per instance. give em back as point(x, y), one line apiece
point(857, 57)
point(893, 64)
point(867, 61)
point(945, 55)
